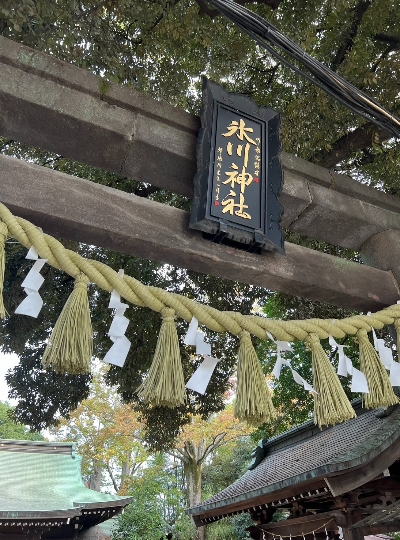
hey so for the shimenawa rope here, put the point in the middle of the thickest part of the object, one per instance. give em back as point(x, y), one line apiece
point(164, 384)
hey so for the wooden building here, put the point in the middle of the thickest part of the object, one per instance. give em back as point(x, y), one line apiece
point(339, 482)
point(42, 494)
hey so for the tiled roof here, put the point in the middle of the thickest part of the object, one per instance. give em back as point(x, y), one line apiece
point(45, 477)
point(306, 453)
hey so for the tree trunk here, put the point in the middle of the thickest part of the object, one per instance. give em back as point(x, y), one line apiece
point(192, 470)
point(95, 478)
point(125, 470)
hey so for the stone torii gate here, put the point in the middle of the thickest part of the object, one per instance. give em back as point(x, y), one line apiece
point(52, 105)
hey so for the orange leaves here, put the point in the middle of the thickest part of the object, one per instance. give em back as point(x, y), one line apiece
point(219, 427)
point(106, 431)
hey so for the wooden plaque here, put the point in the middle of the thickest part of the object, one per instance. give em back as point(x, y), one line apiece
point(239, 176)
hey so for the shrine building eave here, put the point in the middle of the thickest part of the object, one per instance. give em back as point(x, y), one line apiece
point(42, 485)
point(306, 461)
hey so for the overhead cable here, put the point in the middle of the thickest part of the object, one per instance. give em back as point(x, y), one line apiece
point(267, 36)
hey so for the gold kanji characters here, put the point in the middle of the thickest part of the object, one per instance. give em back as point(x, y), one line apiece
point(243, 179)
point(230, 205)
point(240, 130)
point(237, 175)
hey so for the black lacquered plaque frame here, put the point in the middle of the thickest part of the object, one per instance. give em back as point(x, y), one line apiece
point(239, 176)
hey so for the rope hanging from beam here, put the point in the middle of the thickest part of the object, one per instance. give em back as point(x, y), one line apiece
point(331, 403)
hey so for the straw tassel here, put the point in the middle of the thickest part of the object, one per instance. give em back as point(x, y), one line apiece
point(70, 345)
point(380, 389)
point(331, 405)
point(253, 399)
point(3, 236)
point(397, 327)
point(165, 384)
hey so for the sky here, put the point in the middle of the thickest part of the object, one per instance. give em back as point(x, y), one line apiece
point(7, 361)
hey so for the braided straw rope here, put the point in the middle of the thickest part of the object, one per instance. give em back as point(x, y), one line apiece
point(157, 299)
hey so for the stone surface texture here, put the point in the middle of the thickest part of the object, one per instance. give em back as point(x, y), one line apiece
point(53, 105)
point(76, 209)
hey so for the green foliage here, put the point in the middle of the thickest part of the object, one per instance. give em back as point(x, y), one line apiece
point(162, 48)
point(239, 525)
point(10, 429)
point(107, 434)
point(57, 395)
point(43, 396)
point(157, 507)
point(293, 403)
point(221, 530)
point(228, 464)
point(233, 528)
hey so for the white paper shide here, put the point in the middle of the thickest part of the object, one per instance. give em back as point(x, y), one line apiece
point(201, 377)
point(33, 303)
point(282, 347)
point(121, 344)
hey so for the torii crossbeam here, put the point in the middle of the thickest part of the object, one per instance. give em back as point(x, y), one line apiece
point(52, 105)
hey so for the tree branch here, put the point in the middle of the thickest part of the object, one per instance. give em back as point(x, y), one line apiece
point(271, 72)
point(112, 477)
point(181, 455)
point(212, 13)
point(393, 45)
point(135, 468)
point(359, 11)
point(190, 450)
point(124, 35)
point(218, 441)
point(3, 25)
point(349, 144)
point(171, 4)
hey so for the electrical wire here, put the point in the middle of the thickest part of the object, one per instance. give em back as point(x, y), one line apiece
point(267, 36)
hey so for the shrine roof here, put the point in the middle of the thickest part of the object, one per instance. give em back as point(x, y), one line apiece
point(304, 455)
point(44, 479)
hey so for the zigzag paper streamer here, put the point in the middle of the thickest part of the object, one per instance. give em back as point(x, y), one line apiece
point(201, 377)
point(281, 347)
point(121, 344)
point(195, 337)
point(386, 356)
point(346, 368)
point(33, 303)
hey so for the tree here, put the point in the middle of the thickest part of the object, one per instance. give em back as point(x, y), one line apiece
point(157, 508)
point(161, 48)
point(9, 429)
point(197, 442)
point(30, 377)
point(41, 394)
point(107, 434)
point(228, 463)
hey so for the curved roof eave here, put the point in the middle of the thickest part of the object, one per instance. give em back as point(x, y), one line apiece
point(364, 452)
